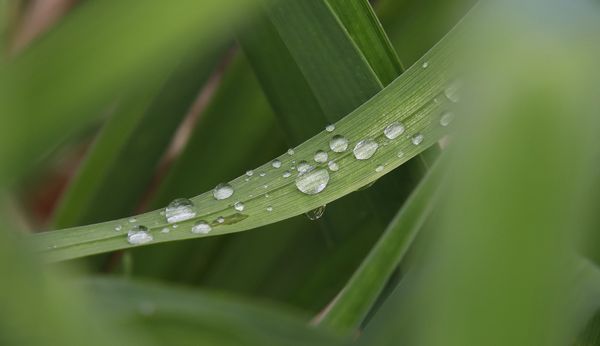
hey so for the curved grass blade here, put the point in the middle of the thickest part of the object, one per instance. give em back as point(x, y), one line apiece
point(416, 98)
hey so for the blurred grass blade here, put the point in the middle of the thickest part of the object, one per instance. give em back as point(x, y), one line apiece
point(130, 146)
point(409, 99)
point(71, 72)
point(352, 304)
point(181, 317)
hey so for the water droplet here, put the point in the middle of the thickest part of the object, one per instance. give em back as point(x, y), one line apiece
point(276, 163)
point(365, 149)
point(222, 191)
point(321, 156)
point(313, 182)
point(291, 151)
point(379, 169)
point(333, 166)
point(267, 195)
point(265, 186)
point(425, 64)
point(220, 219)
point(400, 154)
point(269, 209)
point(330, 128)
point(446, 118)
point(201, 227)
point(287, 174)
point(139, 235)
point(118, 228)
point(452, 92)
point(338, 144)
point(304, 167)
point(247, 179)
point(175, 226)
point(263, 174)
point(165, 230)
point(239, 206)
point(132, 220)
point(393, 130)
point(250, 173)
point(417, 139)
point(316, 213)
point(179, 210)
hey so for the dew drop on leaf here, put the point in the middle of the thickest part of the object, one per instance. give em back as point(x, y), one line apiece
point(333, 166)
point(139, 235)
point(239, 206)
point(417, 139)
point(365, 149)
point(304, 167)
point(452, 92)
point(338, 144)
point(201, 227)
point(316, 213)
point(446, 118)
point(313, 182)
point(222, 191)
point(393, 130)
point(179, 210)
point(321, 156)
point(330, 128)
point(276, 163)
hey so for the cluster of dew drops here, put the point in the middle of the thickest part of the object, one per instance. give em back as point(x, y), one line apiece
point(310, 180)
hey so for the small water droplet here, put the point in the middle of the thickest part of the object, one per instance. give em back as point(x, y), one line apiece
point(313, 182)
point(201, 227)
point(269, 209)
point(425, 64)
point(452, 92)
point(220, 219)
point(222, 191)
point(179, 210)
point(250, 173)
point(365, 149)
point(321, 156)
point(417, 139)
point(287, 174)
point(118, 228)
point(290, 151)
point(276, 163)
point(304, 167)
point(333, 166)
point(400, 154)
point(338, 144)
point(267, 195)
point(393, 130)
point(316, 213)
point(379, 169)
point(132, 220)
point(330, 128)
point(239, 206)
point(165, 230)
point(175, 226)
point(265, 186)
point(446, 118)
point(139, 235)
point(247, 179)
point(262, 174)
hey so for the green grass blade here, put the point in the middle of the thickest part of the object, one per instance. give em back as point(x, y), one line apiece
point(181, 316)
point(353, 303)
point(84, 63)
point(416, 98)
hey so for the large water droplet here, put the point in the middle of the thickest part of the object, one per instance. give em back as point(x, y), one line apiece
point(393, 130)
point(452, 92)
point(276, 163)
point(330, 128)
point(333, 166)
point(446, 118)
point(417, 139)
point(365, 149)
point(316, 213)
point(321, 156)
point(201, 227)
point(139, 235)
point(239, 206)
point(313, 182)
point(222, 191)
point(179, 210)
point(304, 167)
point(338, 144)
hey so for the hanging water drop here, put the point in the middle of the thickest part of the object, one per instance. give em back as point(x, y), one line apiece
point(316, 213)
point(452, 92)
point(333, 166)
point(330, 128)
point(393, 130)
point(417, 139)
point(338, 144)
point(222, 191)
point(239, 206)
point(139, 235)
point(179, 210)
point(276, 163)
point(321, 156)
point(446, 118)
point(365, 149)
point(201, 227)
point(313, 182)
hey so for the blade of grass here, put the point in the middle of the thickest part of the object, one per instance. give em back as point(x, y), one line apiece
point(410, 99)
